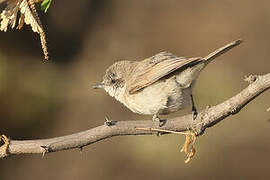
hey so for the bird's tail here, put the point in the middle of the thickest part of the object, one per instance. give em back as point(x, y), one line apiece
point(221, 50)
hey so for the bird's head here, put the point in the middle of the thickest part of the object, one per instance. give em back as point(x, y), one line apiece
point(115, 78)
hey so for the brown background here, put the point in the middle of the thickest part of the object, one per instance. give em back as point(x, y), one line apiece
point(46, 99)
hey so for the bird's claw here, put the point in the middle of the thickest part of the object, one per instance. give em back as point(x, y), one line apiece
point(160, 122)
point(108, 122)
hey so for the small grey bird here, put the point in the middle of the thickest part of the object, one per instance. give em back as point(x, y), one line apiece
point(160, 84)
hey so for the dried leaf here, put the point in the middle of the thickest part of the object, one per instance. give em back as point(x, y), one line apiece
point(21, 22)
point(28, 15)
point(8, 16)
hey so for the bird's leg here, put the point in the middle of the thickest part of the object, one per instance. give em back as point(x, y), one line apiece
point(155, 118)
point(188, 147)
point(6, 144)
point(194, 109)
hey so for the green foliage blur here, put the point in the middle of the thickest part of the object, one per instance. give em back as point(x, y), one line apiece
point(45, 5)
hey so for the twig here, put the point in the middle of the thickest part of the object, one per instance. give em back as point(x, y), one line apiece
point(161, 130)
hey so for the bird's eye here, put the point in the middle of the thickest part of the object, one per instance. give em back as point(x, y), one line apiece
point(113, 81)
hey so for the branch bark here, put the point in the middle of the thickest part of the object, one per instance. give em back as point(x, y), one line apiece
point(205, 118)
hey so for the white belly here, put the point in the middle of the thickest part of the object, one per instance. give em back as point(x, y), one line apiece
point(162, 97)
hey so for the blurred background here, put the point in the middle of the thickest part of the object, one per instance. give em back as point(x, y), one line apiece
point(41, 99)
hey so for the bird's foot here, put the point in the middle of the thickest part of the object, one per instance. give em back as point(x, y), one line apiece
point(155, 118)
point(160, 122)
point(5, 146)
point(108, 122)
point(188, 147)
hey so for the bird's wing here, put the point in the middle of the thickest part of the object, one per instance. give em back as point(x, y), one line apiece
point(152, 69)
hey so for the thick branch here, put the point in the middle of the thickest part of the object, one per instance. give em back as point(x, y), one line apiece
point(206, 118)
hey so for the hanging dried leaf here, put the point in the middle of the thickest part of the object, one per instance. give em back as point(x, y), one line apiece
point(28, 15)
point(9, 15)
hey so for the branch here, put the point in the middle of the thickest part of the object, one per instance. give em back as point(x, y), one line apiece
point(205, 118)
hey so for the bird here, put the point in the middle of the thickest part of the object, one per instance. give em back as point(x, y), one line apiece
point(157, 85)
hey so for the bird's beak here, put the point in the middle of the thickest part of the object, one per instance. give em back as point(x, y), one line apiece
point(99, 86)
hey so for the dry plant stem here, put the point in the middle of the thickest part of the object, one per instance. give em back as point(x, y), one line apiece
point(189, 142)
point(205, 118)
point(41, 29)
point(27, 15)
point(162, 130)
